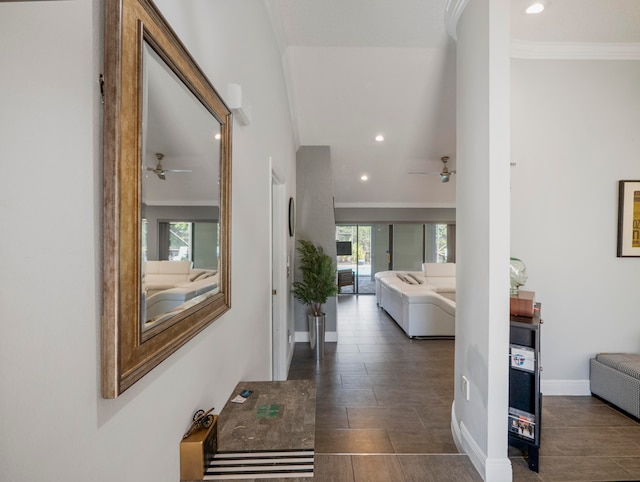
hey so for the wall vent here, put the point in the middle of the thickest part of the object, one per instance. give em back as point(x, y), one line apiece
point(238, 104)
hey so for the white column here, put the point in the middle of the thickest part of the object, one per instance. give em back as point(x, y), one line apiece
point(479, 423)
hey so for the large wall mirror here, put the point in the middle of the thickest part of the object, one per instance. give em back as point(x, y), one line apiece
point(167, 181)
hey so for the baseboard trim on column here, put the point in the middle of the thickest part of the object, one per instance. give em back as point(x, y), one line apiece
point(498, 469)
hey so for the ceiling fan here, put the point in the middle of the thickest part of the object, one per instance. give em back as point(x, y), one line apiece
point(161, 171)
point(445, 174)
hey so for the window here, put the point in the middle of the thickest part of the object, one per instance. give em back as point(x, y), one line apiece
point(436, 243)
point(180, 247)
point(190, 241)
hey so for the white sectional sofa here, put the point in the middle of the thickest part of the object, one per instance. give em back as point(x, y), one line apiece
point(421, 302)
point(171, 286)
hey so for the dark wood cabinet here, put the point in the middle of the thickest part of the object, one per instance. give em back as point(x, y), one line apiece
point(525, 400)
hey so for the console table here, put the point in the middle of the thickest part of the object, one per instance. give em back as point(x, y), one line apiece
point(272, 432)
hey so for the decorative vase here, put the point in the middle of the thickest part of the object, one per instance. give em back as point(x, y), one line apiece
point(517, 275)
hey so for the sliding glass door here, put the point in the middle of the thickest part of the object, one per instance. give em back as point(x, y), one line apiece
point(366, 249)
point(359, 261)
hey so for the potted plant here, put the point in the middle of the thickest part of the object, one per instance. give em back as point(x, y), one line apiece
point(317, 285)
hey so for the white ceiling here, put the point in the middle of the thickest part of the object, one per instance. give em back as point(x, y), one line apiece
point(178, 126)
point(358, 68)
point(594, 21)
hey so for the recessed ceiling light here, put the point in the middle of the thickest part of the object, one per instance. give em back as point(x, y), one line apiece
point(379, 138)
point(217, 136)
point(534, 8)
point(364, 177)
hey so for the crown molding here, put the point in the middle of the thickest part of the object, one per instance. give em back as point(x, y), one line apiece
point(525, 49)
point(452, 13)
point(532, 50)
point(393, 205)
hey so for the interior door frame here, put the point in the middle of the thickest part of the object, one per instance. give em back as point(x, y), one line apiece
point(278, 298)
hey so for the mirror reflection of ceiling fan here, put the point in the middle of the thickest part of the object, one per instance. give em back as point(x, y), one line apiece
point(161, 171)
point(445, 174)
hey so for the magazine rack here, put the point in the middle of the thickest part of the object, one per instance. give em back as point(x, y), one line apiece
point(525, 400)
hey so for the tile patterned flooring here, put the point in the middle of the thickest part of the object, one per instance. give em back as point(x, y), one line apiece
point(383, 413)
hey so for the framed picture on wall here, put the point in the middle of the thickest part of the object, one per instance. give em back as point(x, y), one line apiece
point(628, 219)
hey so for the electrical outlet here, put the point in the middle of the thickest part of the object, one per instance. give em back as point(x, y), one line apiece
point(465, 387)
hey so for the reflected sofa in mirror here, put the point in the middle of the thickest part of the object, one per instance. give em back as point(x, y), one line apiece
point(167, 181)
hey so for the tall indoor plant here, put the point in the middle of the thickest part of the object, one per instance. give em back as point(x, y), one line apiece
point(317, 285)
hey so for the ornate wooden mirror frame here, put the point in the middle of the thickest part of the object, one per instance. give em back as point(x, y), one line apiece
point(129, 352)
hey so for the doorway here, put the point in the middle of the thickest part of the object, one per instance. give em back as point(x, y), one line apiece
point(281, 341)
point(358, 252)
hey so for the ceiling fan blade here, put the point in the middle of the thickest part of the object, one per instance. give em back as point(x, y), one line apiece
point(178, 170)
point(445, 174)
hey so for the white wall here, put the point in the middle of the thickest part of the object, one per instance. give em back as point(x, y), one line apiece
point(575, 134)
point(54, 425)
point(353, 215)
point(315, 222)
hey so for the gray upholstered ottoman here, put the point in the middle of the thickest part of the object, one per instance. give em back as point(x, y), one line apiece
point(615, 377)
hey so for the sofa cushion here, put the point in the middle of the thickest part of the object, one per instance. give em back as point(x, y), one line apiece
point(449, 294)
point(418, 279)
point(439, 269)
point(430, 297)
point(198, 274)
point(165, 279)
point(406, 279)
point(164, 275)
point(441, 275)
point(168, 267)
point(405, 288)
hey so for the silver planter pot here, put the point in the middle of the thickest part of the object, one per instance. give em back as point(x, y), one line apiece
point(316, 335)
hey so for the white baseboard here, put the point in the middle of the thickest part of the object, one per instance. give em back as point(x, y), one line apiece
point(565, 387)
point(494, 470)
point(329, 336)
point(465, 442)
point(455, 429)
point(473, 450)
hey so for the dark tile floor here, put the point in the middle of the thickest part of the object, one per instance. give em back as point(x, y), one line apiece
point(383, 413)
